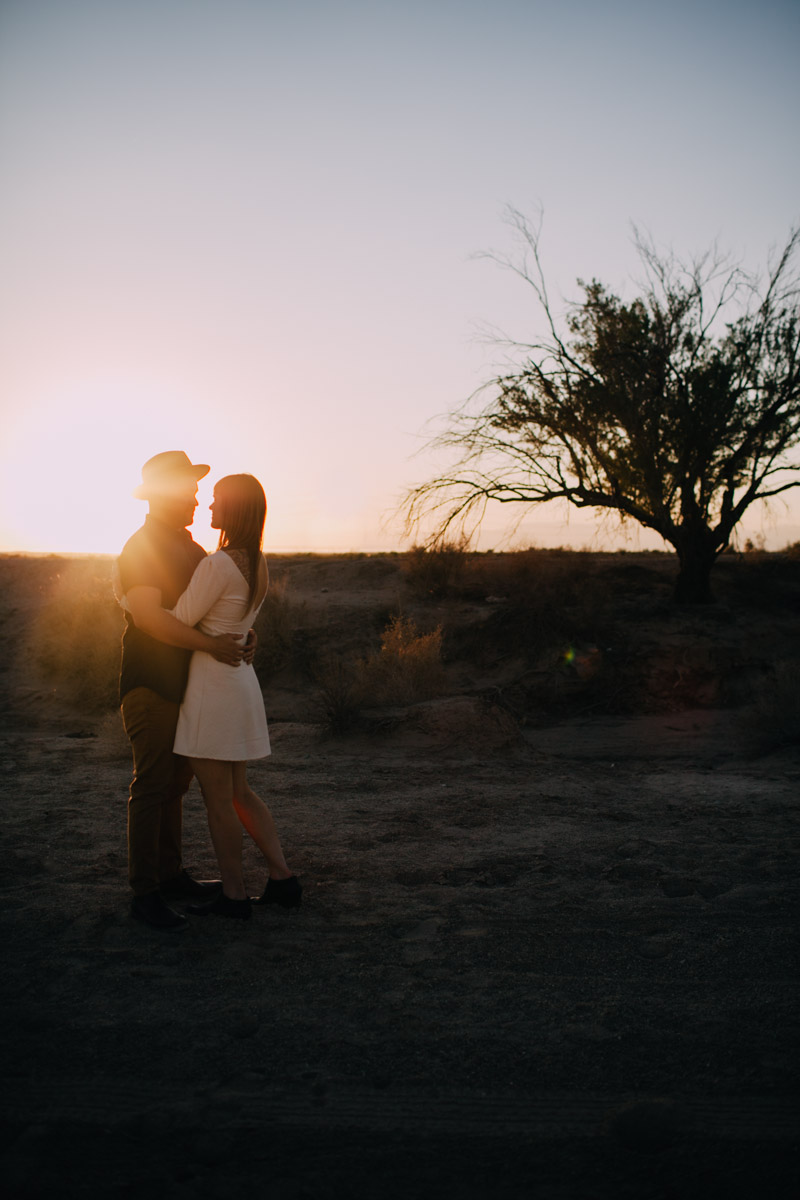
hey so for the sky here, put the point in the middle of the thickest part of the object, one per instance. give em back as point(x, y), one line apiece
point(252, 230)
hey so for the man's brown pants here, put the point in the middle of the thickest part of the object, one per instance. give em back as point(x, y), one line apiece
point(160, 779)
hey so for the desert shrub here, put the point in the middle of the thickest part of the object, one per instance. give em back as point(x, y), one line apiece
point(547, 600)
point(521, 574)
point(76, 637)
point(762, 582)
point(773, 719)
point(792, 551)
point(434, 572)
point(408, 666)
point(275, 626)
point(338, 694)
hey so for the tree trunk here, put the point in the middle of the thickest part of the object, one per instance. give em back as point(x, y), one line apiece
point(693, 585)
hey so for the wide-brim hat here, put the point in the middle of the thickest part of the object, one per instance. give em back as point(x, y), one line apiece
point(162, 472)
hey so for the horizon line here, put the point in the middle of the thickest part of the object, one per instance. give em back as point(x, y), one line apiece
point(293, 550)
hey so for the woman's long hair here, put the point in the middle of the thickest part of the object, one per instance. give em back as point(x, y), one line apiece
point(241, 511)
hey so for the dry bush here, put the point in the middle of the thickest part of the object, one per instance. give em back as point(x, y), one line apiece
point(407, 668)
point(77, 635)
point(436, 572)
point(549, 600)
point(761, 581)
point(773, 719)
point(522, 574)
point(551, 593)
point(338, 694)
point(275, 627)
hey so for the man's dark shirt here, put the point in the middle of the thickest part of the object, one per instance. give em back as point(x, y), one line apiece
point(161, 557)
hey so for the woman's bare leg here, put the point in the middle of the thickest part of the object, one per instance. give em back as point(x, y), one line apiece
point(257, 820)
point(216, 783)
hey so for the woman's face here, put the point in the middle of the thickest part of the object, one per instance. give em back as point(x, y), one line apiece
point(215, 508)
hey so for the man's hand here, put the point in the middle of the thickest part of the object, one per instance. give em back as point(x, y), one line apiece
point(228, 649)
point(249, 652)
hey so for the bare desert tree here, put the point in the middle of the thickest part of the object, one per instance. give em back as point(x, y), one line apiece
point(678, 410)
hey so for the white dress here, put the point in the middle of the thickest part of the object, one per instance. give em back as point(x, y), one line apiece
point(222, 715)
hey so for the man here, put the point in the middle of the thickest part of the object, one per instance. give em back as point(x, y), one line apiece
point(154, 568)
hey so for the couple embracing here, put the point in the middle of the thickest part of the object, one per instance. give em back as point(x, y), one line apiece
point(191, 702)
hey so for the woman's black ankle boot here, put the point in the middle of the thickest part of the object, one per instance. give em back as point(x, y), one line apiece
point(285, 892)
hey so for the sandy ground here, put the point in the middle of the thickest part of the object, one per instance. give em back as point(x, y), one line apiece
point(559, 965)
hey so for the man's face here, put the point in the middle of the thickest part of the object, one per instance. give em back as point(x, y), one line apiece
point(188, 502)
point(176, 505)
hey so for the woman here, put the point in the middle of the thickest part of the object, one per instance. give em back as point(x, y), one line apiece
point(222, 722)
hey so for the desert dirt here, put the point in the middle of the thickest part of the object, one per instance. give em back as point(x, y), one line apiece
point(547, 946)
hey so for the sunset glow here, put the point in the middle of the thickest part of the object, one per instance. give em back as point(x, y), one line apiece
point(246, 231)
